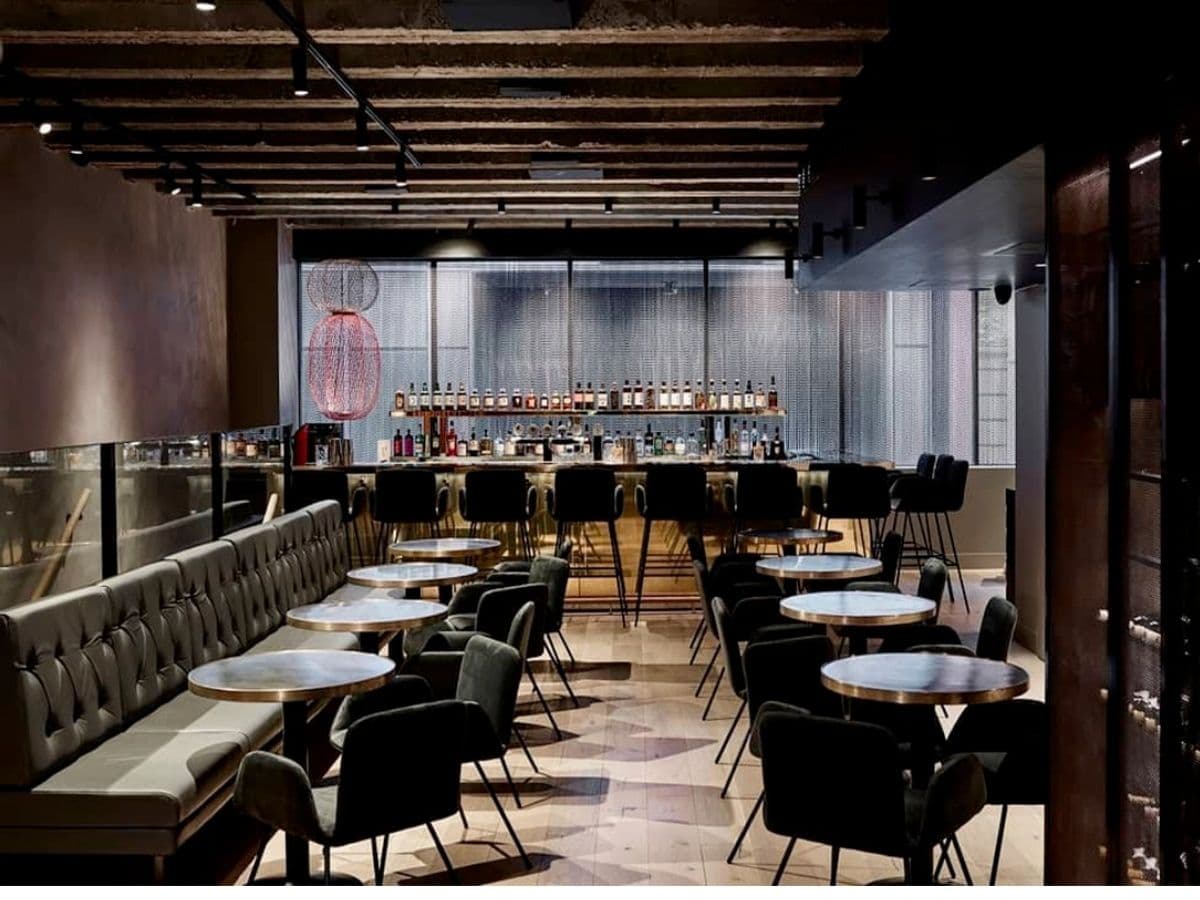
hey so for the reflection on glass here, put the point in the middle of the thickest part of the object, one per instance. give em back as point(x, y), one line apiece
point(252, 467)
point(164, 498)
point(49, 522)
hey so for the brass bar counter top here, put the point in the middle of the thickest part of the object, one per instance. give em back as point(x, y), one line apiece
point(534, 464)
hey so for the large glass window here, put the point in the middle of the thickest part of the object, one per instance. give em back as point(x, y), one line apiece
point(997, 390)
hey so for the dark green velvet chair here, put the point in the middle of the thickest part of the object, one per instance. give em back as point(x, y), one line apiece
point(388, 782)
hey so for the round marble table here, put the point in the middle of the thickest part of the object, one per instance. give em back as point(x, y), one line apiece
point(445, 548)
point(927, 678)
point(292, 678)
point(789, 537)
point(412, 575)
point(819, 566)
point(371, 616)
point(857, 610)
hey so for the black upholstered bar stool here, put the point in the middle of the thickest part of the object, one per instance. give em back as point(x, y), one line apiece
point(407, 497)
point(857, 493)
point(313, 485)
point(589, 494)
point(766, 493)
point(670, 493)
point(499, 497)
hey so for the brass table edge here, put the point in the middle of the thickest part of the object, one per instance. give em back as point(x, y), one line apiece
point(930, 698)
point(908, 618)
point(367, 627)
point(399, 583)
point(296, 695)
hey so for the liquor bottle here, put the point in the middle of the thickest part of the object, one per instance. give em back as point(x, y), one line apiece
point(748, 397)
point(489, 402)
point(614, 397)
point(668, 446)
point(462, 448)
point(251, 449)
point(473, 400)
point(400, 398)
point(760, 399)
point(485, 444)
point(435, 439)
point(577, 396)
point(651, 395)
point(473, 446)
point(626, 396)
point(711, 401)
point(664, 396)
point(419, 445)
point(502, 400)
point(686, 400)
point(589, 397)
point(602, 396)
point(718, 438)
point(518, 399)
point(680, 444)
point(460, 399)
point(556, 400)
point(639, 397)
point(676, 396)
point(531, 401)
point(412, 402)
point(424, 396)
point(724, 398)
point(693, 446)
point(736, 400)
point(753, 433)
point(744, 440)
point(510, 444)
point(397, 444)
point(451, 441)
point(777, 451)
point(773, 396)
point(435, 401)
point(239, 446)
point(759, 451)
point(657, 443)
point(648, 442)
point(408, 443)
point(544, 401)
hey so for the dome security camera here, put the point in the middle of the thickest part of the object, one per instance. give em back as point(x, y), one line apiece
point(1003, 292)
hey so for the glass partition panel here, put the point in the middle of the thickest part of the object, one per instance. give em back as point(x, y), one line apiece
point(252, 470)
point(164, 498)
point(49, 522)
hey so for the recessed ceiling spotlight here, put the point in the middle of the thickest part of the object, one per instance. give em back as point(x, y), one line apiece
point(360, 129)
point(299, 72)
point(401, 171)
point(197, 199)
point(76, 138)
point(170, 185)
point(608, 207)
point(716, 207)
point(206, 5)
point(501, 209)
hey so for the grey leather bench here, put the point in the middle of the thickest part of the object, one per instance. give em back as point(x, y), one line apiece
point(106, 751)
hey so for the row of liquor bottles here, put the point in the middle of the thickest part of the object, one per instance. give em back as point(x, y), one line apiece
point(585, 398)
point(746, 442)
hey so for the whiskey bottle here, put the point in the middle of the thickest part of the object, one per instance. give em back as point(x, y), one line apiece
point(602, 396)
point(736, 399)
point(556, 400)
point(663, 401)
point(676, 395)
point(485, 444)
point(614, 397)
point(473, 399)
point(462, 448)
point(626, 396)
point(589, 397)
point(518, 399)
point(639, 396)
point(724, 398)
point(685, 399)
point(760, 399)
point(773, 396)
point(577, 396)
point(400, 398)
point(435, 401)
point(424, 405)
point(531, 401)
point(413, 403)
point(544, 401)
point(489, 402)
point(435, 441)
point(748, 397)
point(777, 450)
point(502, 400)
point(460, 401)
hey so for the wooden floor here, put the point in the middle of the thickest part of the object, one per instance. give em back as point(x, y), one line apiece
point(631, 793)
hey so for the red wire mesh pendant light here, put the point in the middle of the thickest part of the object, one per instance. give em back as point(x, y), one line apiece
point(343, 350)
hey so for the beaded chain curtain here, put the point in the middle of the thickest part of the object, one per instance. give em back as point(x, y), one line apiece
point(884, 375)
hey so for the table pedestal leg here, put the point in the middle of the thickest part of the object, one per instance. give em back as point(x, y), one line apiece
point(858, 642)
point(412, 593)
point(368, 642)
point(295, 748)
point(445, 594)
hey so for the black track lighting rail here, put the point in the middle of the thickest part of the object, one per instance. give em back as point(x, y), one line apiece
point(309, 46)
point(35, 91)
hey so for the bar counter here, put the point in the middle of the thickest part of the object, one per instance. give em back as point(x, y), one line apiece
point(443, 464)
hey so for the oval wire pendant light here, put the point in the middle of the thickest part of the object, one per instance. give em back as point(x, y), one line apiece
point(343, 349)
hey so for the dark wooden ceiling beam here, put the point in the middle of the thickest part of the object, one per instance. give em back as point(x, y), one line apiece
point(339, 20)
point(679, 159)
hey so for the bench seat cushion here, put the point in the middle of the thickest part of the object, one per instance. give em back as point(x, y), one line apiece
point(289, 638)
point(137, 779)
point(258, 723)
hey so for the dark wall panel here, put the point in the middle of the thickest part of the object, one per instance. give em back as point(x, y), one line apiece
point(112, 306)
point(1029, 570)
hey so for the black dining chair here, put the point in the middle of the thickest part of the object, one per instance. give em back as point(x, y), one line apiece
point(1011, 741)
point(783, 672)
point(368, 801)
point(671, 493)
point(841, 783)
point(996, 629)
point(890, 549)
point(555, 573)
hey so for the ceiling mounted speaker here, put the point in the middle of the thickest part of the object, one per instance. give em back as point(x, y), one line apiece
point(511, 15)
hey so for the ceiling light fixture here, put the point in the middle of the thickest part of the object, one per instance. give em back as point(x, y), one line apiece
point(401, 171)
point(816, 249)
point(361, 142)
point(470, 224)
point(299, 72)
point(197, 199)
point(206, 5)
point(170, 185)
point(501, 209)
point(1143, 160)
point(608, 207)
point(43, 125)
point(395, 206)
point(716, 207)
point(76, 138)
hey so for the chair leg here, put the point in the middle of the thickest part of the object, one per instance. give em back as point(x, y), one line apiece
point(562, 637)
point(325, 852)
point(698, 640)
point(437, 842)
point(545, 706)
point(512, 785)
point(503, 816)
point(999, 844)
point(262, 848)
point(641, 573)
point(525, 747)
point(737, 759)
point(712, 696)
point(379, 859)
point(697, 633)
point(618, 570)
point(562, 674)
point(957, 565)
point(728, 734)
point(783, 862)
point(962, 860)
point(737, 845)
point(462, 815)
point(707, 669)
point(834, 853)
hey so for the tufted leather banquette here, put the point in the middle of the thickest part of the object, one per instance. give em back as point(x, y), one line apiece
point(107, 751)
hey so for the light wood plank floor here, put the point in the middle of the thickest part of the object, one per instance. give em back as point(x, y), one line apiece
point(631, 794)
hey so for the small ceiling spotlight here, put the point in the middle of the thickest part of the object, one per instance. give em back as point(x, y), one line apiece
point(716, 207)
point(299, 72)
point(37, 118)
point(76, 138)
point(816, 249)
point(501, 209)
point(401, 171)
point(470, 224)
point(608, 207)
point(361, 142)
point(170, 184)
point(197, 199)
point(206, 5)
point(927, 167)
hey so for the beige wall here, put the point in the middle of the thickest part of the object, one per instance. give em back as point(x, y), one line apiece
point(112, 306)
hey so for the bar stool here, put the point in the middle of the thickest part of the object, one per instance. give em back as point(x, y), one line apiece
point(313, 485)
point(407, 497)
point(856, 493)
point(500, 497)
point(951, 494)
point(671, 493)
point(589, 494)
point(768, 493)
